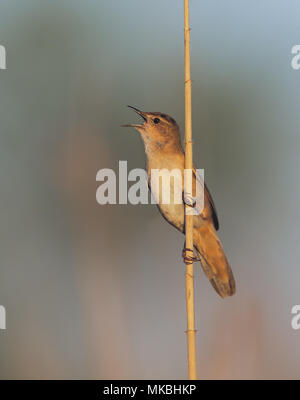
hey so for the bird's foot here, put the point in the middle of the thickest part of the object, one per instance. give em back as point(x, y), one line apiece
point(188, 256)
point(188, 200)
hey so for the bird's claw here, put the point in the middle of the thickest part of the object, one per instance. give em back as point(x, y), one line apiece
point(189, 259)
point(189, 200)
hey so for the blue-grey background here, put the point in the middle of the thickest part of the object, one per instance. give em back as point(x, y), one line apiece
point(98, 291)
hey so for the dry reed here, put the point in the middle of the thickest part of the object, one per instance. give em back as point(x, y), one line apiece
point(189, 276)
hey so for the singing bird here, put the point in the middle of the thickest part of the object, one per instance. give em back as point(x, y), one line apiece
point(161, 136)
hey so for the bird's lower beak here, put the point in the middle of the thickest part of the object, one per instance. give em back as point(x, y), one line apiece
point(137, 126)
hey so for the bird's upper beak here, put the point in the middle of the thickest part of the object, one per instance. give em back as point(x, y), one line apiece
point(137, 126)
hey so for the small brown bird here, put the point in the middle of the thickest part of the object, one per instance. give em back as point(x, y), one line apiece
point(161, 137)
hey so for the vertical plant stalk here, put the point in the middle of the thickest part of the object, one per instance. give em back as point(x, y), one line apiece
point(189, 275)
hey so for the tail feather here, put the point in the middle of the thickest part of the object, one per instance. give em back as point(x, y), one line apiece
point(214, 261)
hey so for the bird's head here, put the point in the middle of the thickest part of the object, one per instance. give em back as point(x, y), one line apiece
point(157, 128)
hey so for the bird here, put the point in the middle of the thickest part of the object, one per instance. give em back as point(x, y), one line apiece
point(161, 137)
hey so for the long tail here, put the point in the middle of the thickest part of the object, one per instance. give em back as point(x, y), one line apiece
point(213, 260)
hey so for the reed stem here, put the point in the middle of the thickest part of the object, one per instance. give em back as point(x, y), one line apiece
point(189, 275)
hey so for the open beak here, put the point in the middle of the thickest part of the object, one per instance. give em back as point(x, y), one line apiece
point(137, 126)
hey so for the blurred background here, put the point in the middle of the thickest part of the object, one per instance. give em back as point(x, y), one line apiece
point(98, 291)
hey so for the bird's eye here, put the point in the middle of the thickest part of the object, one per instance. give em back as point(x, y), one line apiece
point(156, 120)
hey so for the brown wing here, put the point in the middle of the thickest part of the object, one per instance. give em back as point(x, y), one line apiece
point(208, 201)
point(212, 207)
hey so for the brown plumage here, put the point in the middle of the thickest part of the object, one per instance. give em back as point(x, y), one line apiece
point(161, 137)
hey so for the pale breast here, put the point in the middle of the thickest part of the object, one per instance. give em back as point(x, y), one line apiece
point(167, 184)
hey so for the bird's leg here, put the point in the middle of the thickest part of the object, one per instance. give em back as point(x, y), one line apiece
point(188, 200)
point(189, 256)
